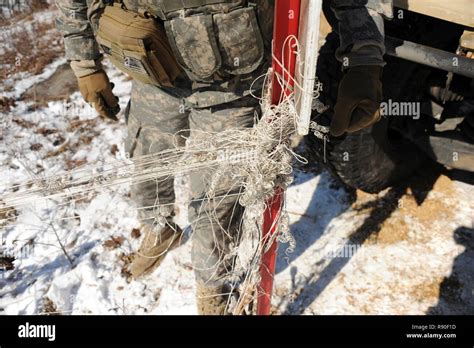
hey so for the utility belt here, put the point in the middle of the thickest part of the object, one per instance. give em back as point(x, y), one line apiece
point(202, 38)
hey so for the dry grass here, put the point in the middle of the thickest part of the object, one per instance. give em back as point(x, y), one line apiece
point(49, 307)
point(30, 44)
point(6, 104)
point(6, 263)
point(16, 13)
point(113, 242)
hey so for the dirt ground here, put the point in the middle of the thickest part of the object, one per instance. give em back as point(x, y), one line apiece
point(58, 87)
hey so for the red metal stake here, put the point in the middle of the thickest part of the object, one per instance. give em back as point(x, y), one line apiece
point(286, 22)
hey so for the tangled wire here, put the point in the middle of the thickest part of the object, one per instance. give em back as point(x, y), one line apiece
point(258, 159)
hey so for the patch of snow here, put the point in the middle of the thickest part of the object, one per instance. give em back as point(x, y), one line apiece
point(26, 80)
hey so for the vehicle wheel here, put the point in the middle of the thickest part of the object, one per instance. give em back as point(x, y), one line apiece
point(365, 160)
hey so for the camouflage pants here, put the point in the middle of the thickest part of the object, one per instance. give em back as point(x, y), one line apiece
point(154, 117)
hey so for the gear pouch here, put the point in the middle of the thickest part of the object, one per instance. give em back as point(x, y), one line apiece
point(205, 44)
point(239, 40)
point(194, 44)
point(138, 46)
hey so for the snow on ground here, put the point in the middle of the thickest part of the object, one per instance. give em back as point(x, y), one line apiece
point(379, 254)
point(390, 259)
point(26, 81)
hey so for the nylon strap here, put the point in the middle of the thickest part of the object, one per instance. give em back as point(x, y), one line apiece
point(174, 5)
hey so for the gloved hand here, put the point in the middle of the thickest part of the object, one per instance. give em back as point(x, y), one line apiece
point(358, 100)
point(97, 90)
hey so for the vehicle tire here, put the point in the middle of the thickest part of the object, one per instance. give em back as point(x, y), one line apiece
point(379, 156)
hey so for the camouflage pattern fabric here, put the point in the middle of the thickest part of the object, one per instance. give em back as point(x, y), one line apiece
point(361, 30)
point(154, 116)
point(216, 223)
point(76, 28)
point(360, 27)
point(156, 119)
point(195, 45)
point(168, 9)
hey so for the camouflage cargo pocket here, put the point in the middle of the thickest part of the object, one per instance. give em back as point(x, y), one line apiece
point(194, 44)
point(240, 40)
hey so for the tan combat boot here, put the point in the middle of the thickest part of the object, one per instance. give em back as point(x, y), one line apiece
point(210, 300)
point(154, 247)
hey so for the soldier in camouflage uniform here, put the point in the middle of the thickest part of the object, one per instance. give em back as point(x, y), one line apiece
point(220, 61)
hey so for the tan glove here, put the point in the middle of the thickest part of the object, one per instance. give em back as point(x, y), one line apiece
point(358, 100)
point(97, 90)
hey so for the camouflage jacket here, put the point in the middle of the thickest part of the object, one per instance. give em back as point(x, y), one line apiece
point(360, 28)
